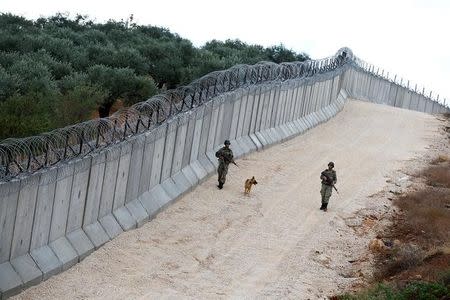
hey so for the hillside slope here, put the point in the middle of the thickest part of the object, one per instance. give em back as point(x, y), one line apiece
point(276, 243)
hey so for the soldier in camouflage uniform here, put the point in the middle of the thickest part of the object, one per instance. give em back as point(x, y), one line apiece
point(329, 179)
point(225, 156)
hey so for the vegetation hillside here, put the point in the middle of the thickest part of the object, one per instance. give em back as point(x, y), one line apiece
point(58, 70)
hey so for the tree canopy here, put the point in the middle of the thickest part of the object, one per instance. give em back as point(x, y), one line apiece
point(59, 70)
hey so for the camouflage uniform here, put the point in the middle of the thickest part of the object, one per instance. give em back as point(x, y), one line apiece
point(328, 180)
point(225, 156)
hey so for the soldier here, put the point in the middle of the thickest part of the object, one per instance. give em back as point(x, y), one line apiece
point(225, 156)
point(329, 179)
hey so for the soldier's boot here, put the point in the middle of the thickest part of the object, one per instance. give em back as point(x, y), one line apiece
point(325, 206)
point(220, 186)
point(322, 206)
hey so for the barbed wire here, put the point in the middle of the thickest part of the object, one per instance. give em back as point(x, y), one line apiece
point(380, 73)
point(30, 154)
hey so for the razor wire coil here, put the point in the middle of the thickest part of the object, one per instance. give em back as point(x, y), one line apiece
point(19, 156)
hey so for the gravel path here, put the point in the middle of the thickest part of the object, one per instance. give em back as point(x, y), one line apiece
point(275, 243)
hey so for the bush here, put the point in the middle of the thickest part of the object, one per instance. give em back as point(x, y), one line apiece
point(77, 105)
point(124, 60)
point(438, 175)
point(403, 258)
point(425, 215)
point(25, 115)
point(445, 278)
point(413, 291)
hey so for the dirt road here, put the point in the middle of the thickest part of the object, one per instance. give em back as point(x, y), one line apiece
point(275, 243)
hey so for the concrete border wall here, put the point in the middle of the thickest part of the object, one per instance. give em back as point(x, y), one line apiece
point(363, 85)
point(52, 219)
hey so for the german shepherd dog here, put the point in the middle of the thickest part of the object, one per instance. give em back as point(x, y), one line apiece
point(248, 185)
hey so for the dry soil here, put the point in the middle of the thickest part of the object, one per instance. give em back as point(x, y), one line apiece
point(274, 244)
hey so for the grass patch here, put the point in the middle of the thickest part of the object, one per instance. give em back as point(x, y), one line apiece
point(438, 175)
point(423, 229)
point(426, 217)
point(399, 260)
point(413, 291)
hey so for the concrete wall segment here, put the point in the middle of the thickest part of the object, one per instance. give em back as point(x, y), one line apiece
point(9, 195)
point(188, 146)
point(62, 200)
point(134, 175)
point(169, 148)
point(79, 191)
point(147, 160)
point(93, 198)
point(180, 142)
point(158, 156)
point(122, 175)
point(24, 215)
point(44, 208)
point(112, 157)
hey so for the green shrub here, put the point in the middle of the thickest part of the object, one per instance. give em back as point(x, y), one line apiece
point(413, 291)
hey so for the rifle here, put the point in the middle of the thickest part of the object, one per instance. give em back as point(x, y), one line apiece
point(232, 161)
point(330, 181)
point(335, 188)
